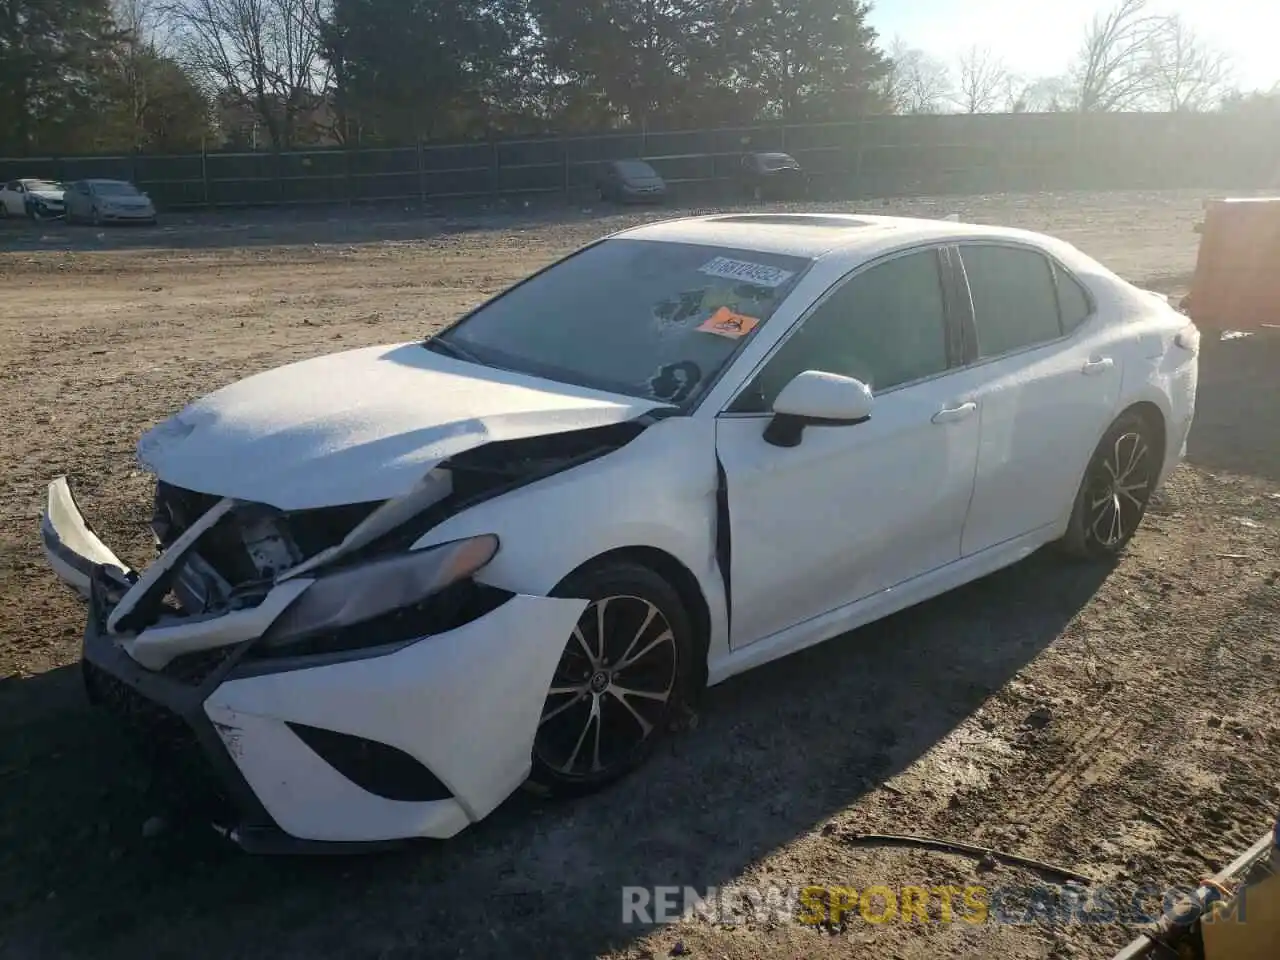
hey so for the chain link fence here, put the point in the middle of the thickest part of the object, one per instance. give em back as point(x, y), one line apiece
point(874, 157)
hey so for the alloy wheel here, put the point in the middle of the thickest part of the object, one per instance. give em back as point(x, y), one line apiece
point(1120, 485)
point(611, 689)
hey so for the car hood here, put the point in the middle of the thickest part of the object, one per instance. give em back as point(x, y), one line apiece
point(47, 194)
point(360, 426)
point(644, 182)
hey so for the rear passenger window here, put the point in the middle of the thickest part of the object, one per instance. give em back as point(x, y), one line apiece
point(1015, 303)
point(1073, 302)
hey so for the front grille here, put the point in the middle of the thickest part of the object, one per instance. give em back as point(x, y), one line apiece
point(183, 775)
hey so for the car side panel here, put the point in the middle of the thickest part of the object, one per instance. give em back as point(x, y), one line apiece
point(1042, 416)
point(1160, 372)
point(659, 491)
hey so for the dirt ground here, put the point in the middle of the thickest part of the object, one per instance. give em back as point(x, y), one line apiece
point(1119, 722)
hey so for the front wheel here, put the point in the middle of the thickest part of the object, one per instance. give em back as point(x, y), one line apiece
point(1115, 491)
point(620, 681)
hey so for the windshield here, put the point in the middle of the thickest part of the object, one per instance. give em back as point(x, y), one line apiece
point(635, 170)
point(114, 188)
point(637, 317)
point(41, 185)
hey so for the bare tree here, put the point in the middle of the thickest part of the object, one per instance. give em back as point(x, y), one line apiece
point(1048, 95)
point(983, 78)
point(1186, 72)
point(261, 55)
point(918, 83)
point(141, 21)
point(1113, 69)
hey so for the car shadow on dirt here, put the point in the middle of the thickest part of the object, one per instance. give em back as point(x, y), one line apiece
point(777, 752)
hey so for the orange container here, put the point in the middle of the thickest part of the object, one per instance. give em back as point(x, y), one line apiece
point(1237, 278)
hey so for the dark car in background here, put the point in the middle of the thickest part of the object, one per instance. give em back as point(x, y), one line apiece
point(772, 176)
point(630, 181)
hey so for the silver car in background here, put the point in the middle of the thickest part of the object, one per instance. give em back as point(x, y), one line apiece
point(98, 201)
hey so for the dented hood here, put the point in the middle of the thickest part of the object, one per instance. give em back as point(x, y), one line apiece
point(360, 426)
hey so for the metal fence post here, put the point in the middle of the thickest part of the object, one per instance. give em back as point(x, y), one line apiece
point(859, 133)
point(352, 191)
point(564, 157)
point(493, 171)
point(422, 174)
point(204, 175)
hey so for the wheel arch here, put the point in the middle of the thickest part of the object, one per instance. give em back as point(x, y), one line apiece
point(681, 579)
point(1154, 417)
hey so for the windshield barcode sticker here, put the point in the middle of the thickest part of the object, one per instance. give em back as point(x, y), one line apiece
point(760, 274)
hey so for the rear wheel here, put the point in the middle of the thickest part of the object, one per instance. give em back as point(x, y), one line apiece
point(1115, 491)
point(620, 681)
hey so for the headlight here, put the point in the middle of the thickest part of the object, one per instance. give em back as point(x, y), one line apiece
point(350, 597)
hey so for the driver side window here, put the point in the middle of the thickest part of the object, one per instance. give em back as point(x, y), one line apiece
point(886, 326)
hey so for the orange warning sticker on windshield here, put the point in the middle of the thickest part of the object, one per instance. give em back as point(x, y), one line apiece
point(725, 323)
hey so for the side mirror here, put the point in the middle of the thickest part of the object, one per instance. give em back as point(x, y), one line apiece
point(814, 398)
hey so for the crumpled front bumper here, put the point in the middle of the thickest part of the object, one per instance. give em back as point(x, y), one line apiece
point(456, 710)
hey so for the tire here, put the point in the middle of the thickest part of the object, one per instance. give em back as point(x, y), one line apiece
point(1115, 491)
point(590, 735)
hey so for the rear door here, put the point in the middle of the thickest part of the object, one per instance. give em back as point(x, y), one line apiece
point(1047, 381)
point(11, 197)
point(854, 509)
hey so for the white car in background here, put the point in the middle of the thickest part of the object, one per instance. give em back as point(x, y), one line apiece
point(396, 583)
point(37, 199)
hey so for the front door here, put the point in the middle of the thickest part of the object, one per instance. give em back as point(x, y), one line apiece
point(854, 509)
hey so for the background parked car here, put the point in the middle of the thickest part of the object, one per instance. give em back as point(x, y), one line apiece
point(772, 176)
point(98, 201)
point(630, 181)
point(37, 199)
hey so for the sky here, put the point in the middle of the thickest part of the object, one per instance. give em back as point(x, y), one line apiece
point(1040, 37)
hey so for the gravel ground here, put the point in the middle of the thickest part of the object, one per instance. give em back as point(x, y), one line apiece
point(1119, 722)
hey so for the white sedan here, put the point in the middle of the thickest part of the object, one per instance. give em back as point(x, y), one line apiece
point(37, 199)
point(396, 583)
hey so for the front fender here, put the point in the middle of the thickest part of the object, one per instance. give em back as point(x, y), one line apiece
point(659, 491)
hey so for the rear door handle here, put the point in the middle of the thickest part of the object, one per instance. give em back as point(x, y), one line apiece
point(1100, 365)
point(956, 414)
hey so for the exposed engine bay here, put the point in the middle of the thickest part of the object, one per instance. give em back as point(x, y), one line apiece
point(250, 548)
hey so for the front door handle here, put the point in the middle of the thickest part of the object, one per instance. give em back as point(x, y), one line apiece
point(956, 414)
point(1096, 366)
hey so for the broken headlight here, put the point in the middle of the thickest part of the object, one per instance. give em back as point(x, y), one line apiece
point(400, 586)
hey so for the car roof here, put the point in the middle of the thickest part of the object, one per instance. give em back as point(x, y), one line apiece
point(104, 180)
point(848, 237)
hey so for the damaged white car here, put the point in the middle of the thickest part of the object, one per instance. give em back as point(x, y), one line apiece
point(394, 584)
